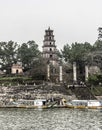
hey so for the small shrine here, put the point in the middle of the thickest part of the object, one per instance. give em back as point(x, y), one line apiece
point(16, 69)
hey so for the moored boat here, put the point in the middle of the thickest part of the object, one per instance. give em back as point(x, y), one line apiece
point(37, 104)
point(83, 104)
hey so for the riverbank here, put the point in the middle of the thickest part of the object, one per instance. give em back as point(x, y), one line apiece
point(46, 91)
point(32, 92)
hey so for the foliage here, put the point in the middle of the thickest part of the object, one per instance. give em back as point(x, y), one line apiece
point(76, 52)
point(13, 78)
point(99, 76)
point(98, 46)
point(38, 72)
point(8, 54)
point(28, 53)
point(95, 79)
point(11, 52)
point(97, 91)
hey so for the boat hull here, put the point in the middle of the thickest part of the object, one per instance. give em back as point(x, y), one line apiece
point(84, 107)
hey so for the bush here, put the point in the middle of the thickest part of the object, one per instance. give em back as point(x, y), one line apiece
point(95, 79)
point(14, 79)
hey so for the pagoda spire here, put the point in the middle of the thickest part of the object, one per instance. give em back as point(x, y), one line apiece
point(49, 28)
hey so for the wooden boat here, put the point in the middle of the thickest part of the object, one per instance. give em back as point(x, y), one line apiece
point(84, 104)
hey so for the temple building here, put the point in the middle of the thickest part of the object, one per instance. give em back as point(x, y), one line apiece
point(50, 55)
point(17, 69)
point(49, 48)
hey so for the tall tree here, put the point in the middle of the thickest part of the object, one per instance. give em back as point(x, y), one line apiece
point(76, 52)
point(8, 54)
point(28, 53)
point(98, 46)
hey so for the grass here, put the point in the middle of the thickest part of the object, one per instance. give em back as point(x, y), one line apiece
point(13, 78)
point(97, 91)
point(13, 81)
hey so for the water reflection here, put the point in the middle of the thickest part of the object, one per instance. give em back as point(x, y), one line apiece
point(50, 119)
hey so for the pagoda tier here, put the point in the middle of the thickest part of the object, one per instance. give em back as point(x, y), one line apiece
point(48, 46)
point(100, 34)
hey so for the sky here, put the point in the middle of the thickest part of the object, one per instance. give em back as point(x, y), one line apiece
point(72, 20)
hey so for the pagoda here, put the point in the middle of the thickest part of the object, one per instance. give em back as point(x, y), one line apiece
point(49, 48)
point(100, 34)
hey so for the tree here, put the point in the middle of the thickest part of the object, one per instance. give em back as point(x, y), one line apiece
point(94, 57)
point(28, 53)
point(39, 69)
point(66, 53)
point(95, 79)
point(98, 46)
point(8, 54)
point(76, 53)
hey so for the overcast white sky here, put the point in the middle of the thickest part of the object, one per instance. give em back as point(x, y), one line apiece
point(71, 20)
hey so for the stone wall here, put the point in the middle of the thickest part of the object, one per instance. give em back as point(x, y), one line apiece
point(31, 92)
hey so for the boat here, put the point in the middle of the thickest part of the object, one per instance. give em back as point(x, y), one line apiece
point(40, 103)
point(37, 104)
point(84, 104)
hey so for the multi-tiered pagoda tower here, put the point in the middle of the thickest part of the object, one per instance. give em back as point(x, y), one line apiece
point(49, 47)
point(100, 34)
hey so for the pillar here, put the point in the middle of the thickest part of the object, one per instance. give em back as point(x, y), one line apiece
point(86, 72)
point(48, 72)
point(60, 73)
point(74, 72)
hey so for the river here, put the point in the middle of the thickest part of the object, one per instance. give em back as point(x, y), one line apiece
point(50, 119)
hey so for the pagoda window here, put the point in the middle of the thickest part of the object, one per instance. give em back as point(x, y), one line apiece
point(50, 49)
point(50, 56)
point(16, 71)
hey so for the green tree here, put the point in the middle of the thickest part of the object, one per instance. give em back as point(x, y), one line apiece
point(39, 69)
point(28, 53)
point(98, 46)
point(8, 54)
point(76, 52)
point(95, 79)
point(95, 56)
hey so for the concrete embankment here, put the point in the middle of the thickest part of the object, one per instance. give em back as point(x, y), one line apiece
point(83, 93)
point(44, 91)
point(31, 92)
